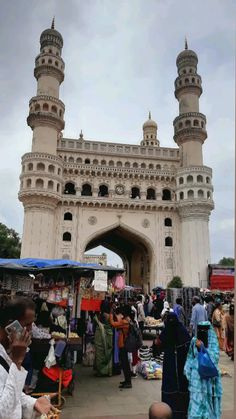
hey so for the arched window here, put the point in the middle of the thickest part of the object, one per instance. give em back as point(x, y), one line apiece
point(43, 61)
point(189, 179)
point(68, 216)
point(86, 190)
point(59, 171)
point(135, 193)
point(196, 123)
point(186, 80)
point(158, 167)
point(143, 166)
point(58, 187)
point(168, 241)
point(181, 195)
point(151, 166)
point(95, 161)
point(119, 164)
point(41, 167)
point(30, 166)
point(28, 183)
point(202, 124)
point(103, 191)
point(200, 193)
point(180, 83)
point(79, 160)
point(49, 61)
point(166, 195)
point(135, 165)
point(50, 185)
point(54, 109)
point(151, 193)
point(199, 179)
point(69, 189)
point(51, 168)
point(71, 160)
point(181, 180)
point(188, 123)
point(56, 63)
point(103, 163)
point(168, 222)
point(39, 183)
point(208, 195)
point(50, 51)
point(45, 107)
point(60, 113)
point(127, 164)
point(190, 194)
point(184, 71)
point(208, 180)
point(193, 80)
point(87, 161)
point(66, 237)
point(37, 107)
point(181, 125)
point(111, 163)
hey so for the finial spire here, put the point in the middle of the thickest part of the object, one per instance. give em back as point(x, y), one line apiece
point(81, 136)
point(149, 115)
point(53, 23)
point(186, 43)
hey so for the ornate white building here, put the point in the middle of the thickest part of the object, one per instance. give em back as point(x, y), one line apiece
point(149, 204)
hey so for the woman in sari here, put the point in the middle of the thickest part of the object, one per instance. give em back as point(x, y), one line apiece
point(175, 342)
point(103, 346)
point(217, 321)
point(205, 394)
point(229, 332)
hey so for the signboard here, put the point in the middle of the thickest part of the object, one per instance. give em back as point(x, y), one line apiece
point(100, 281)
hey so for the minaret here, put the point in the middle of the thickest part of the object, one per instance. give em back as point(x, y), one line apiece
point(194, 186)
point(150, 133)
point(46, 109)
point(41, 177)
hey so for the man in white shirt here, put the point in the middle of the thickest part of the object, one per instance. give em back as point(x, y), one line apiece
point(140, 312)
point(14, 404)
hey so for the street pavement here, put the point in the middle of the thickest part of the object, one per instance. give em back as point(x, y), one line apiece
point(101, 398)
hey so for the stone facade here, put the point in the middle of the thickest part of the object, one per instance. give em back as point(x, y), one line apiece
point(149, 204)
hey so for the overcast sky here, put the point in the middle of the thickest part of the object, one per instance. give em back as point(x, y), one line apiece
point(120, 62)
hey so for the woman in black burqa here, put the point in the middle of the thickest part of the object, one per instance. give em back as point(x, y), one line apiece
point(175, 341)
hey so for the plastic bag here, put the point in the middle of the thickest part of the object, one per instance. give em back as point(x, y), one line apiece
point(206, 368)
point(51, 359)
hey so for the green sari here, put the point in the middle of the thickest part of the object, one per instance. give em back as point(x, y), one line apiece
point(103, 348)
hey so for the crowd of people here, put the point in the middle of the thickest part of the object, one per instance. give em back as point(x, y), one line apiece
point(117, 332)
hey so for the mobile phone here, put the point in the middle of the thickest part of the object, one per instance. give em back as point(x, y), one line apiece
point(14, 327)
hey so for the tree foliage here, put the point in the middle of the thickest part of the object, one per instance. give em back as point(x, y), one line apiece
point(226, 261)
point(10, 244)
point(176, 282)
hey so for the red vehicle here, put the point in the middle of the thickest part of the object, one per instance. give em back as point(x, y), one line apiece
point(221, 277)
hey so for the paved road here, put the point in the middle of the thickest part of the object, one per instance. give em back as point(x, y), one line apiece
point(100, 398)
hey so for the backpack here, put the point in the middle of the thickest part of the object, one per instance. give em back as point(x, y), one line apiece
point(134, 339)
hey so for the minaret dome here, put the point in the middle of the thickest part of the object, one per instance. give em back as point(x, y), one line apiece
point(150, 132)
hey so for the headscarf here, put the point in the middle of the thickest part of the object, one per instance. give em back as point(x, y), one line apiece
point(166, 309)
point(174, 334)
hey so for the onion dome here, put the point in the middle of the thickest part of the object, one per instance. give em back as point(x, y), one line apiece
point(149, 123)
point(51, 37)
point(187, 57)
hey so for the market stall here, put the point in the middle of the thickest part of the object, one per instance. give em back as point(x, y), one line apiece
point(63, 292)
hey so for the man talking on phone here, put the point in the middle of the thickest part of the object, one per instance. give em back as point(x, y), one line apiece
point(14, 403)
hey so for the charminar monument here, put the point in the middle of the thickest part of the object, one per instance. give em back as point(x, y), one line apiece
point(149, 204)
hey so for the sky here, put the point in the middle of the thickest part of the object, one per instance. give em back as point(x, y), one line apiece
point(120, 63)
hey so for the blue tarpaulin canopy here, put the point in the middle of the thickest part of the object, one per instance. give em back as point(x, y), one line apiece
point(45, 264)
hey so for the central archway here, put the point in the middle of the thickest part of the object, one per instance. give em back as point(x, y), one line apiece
point(135, 251)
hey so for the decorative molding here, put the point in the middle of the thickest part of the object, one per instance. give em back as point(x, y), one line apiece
point(45, 98)
point(49, 70)
point(92, 220)
point(146, 223)
point(40, 118)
